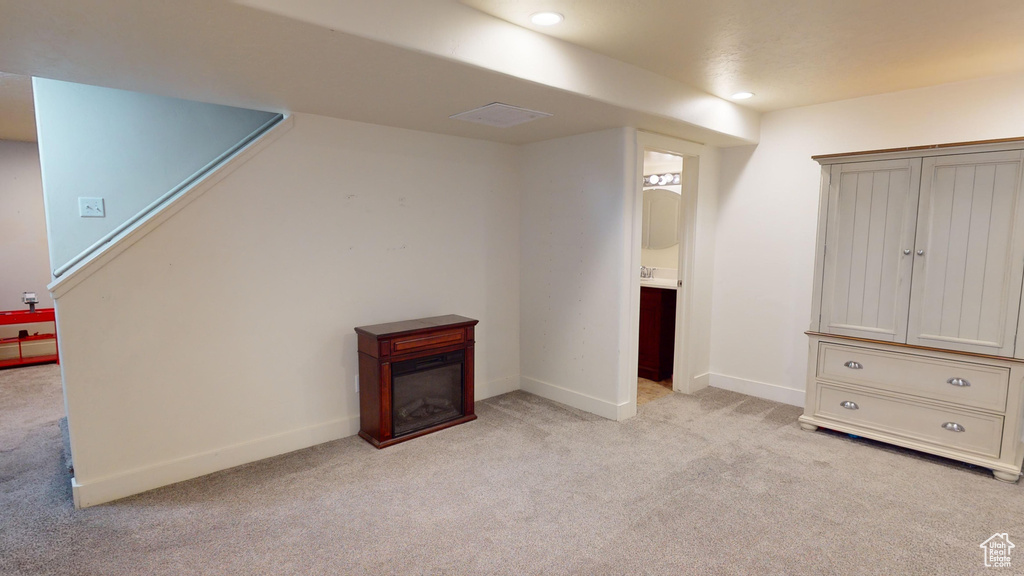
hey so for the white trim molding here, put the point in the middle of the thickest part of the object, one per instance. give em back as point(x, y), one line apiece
point(574, 399)
point(700, 382)
point(97, 491)
point(759, 389)
point(91, 492)
point(171, 206)
point(686, 364)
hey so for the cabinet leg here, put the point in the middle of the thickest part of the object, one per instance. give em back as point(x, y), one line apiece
point(809, 427)
point(1010, 477)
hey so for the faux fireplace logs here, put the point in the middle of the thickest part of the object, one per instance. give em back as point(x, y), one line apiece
point(415, 377)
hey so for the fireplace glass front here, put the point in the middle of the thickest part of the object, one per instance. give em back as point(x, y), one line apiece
point(426, 391)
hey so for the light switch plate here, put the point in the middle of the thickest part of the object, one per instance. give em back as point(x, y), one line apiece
point(91, 207)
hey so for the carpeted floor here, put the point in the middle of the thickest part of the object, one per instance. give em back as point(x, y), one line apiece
point(715, 483)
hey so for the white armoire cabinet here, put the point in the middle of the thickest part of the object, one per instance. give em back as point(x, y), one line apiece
point(917, 296)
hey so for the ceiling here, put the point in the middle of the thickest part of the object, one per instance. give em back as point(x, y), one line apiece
point(251, 56)
point(17, 111)
point(657, 65)
point(792, 52)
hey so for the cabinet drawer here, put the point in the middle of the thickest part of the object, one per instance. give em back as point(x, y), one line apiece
point(973, 384)
point(981, 433)
point(416, 342)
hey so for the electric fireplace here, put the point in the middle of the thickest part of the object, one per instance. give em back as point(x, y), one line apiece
point(415, 377)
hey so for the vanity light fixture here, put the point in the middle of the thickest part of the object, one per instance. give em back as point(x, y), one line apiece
point(546, 18)
point(667, 179)
point(742, 95)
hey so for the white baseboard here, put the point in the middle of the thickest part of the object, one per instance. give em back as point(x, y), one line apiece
point(701, 382)
point(495, 387)
point(758, 389)
point(106, 489)
point(121, 485)
point(584, 402)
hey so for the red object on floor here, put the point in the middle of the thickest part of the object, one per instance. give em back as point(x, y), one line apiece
point(26, 317)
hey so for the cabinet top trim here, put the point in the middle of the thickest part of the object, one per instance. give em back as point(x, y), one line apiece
point(930, 150)
point(433, 323)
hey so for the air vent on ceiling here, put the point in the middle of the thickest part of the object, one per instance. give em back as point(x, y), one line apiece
point(500, 115)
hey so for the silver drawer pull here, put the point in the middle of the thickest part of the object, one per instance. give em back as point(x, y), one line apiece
point(954, 427)
point(962, 382)
point(853, 365)
point(852, 406)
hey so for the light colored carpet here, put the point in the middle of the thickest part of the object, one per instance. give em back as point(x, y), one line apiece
point(715, 483)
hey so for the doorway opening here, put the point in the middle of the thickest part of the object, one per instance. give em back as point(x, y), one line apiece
point(663, 257)
point(659, 273)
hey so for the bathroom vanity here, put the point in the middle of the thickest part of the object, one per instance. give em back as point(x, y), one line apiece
point(657, 331)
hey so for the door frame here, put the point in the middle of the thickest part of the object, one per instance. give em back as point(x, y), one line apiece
point(694, 181)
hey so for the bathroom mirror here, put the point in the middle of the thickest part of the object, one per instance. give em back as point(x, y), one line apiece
point(661, 219)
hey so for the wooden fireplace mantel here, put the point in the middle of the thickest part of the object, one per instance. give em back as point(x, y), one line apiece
point(381, 345)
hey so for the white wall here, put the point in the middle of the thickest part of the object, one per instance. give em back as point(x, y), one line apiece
point(225, 334)
point(23, 253)
point(125, 147)
point(575, 283)
point(768, 215)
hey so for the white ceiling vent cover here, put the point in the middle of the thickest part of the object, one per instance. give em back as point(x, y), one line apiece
point(500, 115)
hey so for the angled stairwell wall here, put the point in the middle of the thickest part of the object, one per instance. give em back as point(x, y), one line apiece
point(221, 330)
point(127, 148)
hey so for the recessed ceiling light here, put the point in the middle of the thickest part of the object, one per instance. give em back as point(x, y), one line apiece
point(742, 95)
point(546, 18)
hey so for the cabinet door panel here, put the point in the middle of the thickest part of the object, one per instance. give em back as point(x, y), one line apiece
point(967, 284)
point(872, 209)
